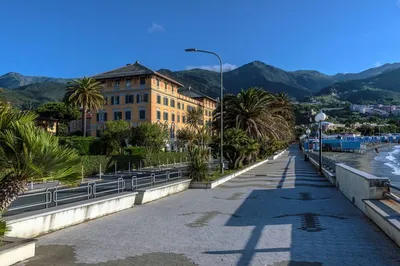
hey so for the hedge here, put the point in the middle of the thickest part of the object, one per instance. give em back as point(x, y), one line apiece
point(91, 163)
point(84, 145)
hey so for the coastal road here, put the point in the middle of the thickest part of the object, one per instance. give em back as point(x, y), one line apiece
point(280, 213)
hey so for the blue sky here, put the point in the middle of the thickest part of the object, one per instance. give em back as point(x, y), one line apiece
point(72, 38)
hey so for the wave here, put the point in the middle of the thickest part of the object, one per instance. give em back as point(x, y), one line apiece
point(395, 168)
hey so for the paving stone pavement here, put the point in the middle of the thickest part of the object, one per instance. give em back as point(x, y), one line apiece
point(280, 213)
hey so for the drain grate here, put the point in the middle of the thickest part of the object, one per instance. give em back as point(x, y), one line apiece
point(310, 221)
point(306, 196)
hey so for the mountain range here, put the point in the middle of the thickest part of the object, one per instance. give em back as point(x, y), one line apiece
point(375, 84)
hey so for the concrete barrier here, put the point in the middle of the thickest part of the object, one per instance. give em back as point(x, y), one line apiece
point(14, 250)
point(358, 186)
point(35, 223)
point(213, 184)
point(157, 192)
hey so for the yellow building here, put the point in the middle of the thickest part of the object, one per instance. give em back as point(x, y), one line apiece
point(136, 94)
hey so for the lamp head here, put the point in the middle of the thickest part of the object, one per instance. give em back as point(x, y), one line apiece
point(320, 117)
point(308, 131)
point(190, 50)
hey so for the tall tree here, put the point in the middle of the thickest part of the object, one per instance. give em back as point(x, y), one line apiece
point(58, 111)
point(85, 93)
point(255, 111)
point(115, 135)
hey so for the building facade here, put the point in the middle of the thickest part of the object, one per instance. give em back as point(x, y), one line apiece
point(137, 94)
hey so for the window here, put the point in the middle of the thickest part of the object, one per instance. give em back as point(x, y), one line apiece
point(117, 115)
point(142, 114)
point(142, 80)
point(140, 98)
point(183, 106)
point(106, 100)
point(104, 117)
point(165, 101)
point(117, 100)
point(172, 103)
point(173, 117)
point(112, 100)
point(158, 115)
point(158, 83)
point(128, 115)
point(97, 117)
point(183, 119)
point(179, 118)
point(128, 99)
point(158, 99)
point(128, 83)
point(166, 116)
point(166, 86)
point(179, 105)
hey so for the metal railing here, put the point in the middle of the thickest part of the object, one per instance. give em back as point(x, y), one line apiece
point(327, 163)
point(120, 187)
point(154, 179)
point(87, 190)
point(47, 201)
point(390, 193)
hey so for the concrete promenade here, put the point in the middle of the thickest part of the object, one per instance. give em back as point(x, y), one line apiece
point(281, 213)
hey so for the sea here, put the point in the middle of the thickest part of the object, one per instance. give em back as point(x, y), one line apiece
point(382, 162)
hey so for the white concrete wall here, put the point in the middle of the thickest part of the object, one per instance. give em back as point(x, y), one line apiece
point(158, 192)
point(15, 250)
point(358, 186)
point(386, 221)
point(35, 223)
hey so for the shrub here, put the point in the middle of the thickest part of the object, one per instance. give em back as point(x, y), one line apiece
point(199, 157)
point(3, 228)
point(134, 150)
point(91, 164)
point(84, 145)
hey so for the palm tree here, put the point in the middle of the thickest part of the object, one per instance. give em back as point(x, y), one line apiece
point(255, 112)
point(85, 93)
point(29, 153)
point(195, 118)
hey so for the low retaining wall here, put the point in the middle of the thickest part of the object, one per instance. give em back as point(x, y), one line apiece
point(213, 184)
point(161, 191)
point(278, 155)
point(39, 222)
point(358, 186)
point(15, 250)
point(329, 175)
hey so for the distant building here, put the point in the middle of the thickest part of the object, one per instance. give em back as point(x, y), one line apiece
point(137, 94)
point(50, 125)
point(76, 125)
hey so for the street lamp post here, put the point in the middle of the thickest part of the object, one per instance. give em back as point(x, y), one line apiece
point(319, 118)
point(308, 131)
point(221, 103)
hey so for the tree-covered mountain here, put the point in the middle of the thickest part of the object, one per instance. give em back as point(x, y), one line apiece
point(29, 91)
point(382, 88)
point(14, 80)
point(32, 95)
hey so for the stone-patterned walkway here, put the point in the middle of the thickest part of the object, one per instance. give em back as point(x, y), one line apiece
point(281, 213)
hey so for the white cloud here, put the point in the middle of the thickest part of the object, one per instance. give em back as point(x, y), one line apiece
point(378, 64)
point(155, 27)
point(225, 67)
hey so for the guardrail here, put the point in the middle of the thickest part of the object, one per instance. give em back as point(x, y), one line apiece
point(390, 194)
point(47, 201)
point(154, 179)
point(55, 195)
